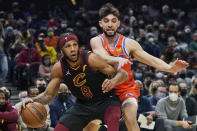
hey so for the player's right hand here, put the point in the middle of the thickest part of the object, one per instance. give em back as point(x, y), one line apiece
point(122, 62)
point(24, 103)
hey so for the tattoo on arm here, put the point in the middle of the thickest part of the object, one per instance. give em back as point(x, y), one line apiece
point(43, 98)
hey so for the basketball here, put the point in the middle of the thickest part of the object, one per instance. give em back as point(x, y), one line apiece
point(34, 115)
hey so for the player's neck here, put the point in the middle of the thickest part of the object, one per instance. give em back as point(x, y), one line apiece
point(74, 64)
point(111, 40)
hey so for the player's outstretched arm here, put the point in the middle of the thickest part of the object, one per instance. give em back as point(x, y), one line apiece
point(99, 64)
point(136, 50)
point(52, 89)
point(98, 49)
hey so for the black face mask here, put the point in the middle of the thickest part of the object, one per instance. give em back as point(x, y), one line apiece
point(183, 92)
point(41, 88)
point(2, 107)
point(182, 75)
point(62, 97)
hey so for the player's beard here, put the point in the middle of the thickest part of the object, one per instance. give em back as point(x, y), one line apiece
point(67, 58)
point(112, 35)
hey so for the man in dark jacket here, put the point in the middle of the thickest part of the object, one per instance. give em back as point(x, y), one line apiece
point(28, 62)
point(8, 115)
point(61, 103)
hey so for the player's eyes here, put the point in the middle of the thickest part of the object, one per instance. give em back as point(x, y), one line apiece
point(105, 20)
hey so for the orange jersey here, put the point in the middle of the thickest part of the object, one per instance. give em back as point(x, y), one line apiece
point(129, 87)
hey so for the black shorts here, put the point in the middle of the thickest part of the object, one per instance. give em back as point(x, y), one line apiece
point(81, 113)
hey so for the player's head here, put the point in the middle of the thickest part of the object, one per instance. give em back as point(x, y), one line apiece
point(109, 19)
point(69, 47)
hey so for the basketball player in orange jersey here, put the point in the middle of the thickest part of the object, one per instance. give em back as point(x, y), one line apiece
point(110, 44)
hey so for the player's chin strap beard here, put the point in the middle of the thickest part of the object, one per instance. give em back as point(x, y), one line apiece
point(109, 35)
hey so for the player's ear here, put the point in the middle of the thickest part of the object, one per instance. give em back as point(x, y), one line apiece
point(100, 23)
point(118, 23)
point(61, 53)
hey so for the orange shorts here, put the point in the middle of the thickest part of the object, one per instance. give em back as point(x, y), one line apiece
point(128, 93)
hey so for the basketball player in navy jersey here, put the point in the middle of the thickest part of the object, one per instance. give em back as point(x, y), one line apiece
point(86, 75)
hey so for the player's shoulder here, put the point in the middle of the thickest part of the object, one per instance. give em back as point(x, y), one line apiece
point(57, 69)
point(95, 39)
point(130, 41)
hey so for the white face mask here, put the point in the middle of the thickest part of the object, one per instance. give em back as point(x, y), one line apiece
point(173, 96)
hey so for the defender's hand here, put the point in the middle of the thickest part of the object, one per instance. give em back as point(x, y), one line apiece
point(107, 85)
point(122, 62)
point(178, 65)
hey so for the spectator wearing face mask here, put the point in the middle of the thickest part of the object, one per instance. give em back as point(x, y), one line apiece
point(183, 89)
point(22, 95)
point(28, 62)
point(43, 49)
point(173, 110)
point(45, 68)
point(148, 78)
point(8, 115)
point(157, 91)
point(191, 101)
point(51, 39)
point(40, 83)
point(60, 104)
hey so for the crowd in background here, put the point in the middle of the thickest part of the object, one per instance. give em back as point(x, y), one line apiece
point(29, 31)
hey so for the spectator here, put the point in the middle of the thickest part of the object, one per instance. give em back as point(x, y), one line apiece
point(157, 91)
point(41, 84)
point(173, 110)
point(45, 68)
point(51, 39)
point(22, 95)
point(7, 93)
point(43, 49)
point(33, 92)
point(148, 78)
point(28, 62)
point(3, 57)
point(193, 44)
point(191, 101)
point(8, 115)
point(53, 23)
point(183, 89)
point(60, 104)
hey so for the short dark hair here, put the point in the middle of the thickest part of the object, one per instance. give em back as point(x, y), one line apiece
point(39, 79)
point(107, 9)
point(29, 89)
point(174, 84)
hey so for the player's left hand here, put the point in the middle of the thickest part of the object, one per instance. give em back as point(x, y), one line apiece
point(107, 85)
point(178, 65)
